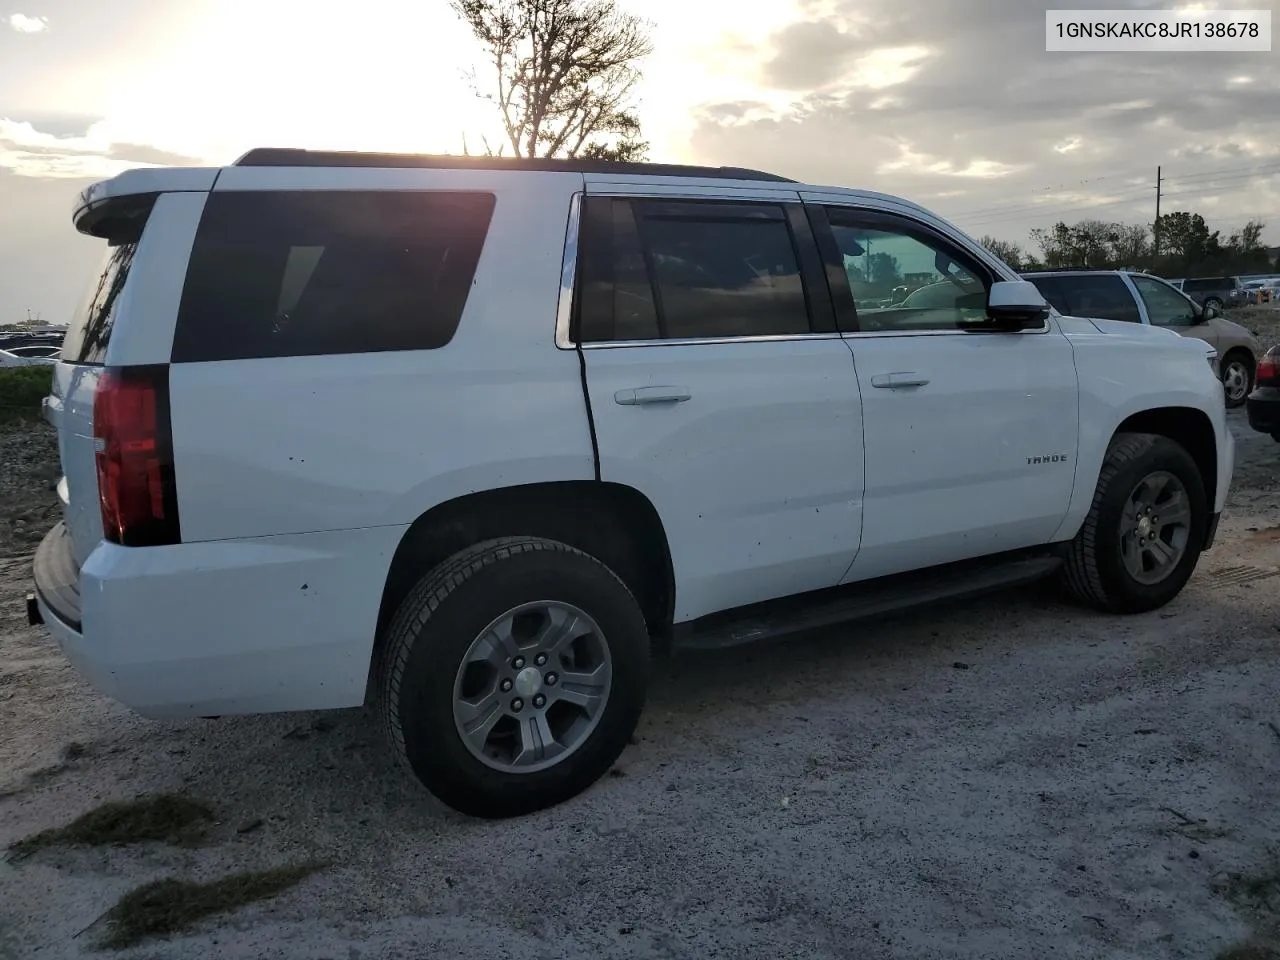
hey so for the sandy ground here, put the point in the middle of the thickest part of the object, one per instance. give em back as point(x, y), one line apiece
point(1010, 778)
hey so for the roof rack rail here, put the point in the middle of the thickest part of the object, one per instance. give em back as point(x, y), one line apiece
point(290, 157)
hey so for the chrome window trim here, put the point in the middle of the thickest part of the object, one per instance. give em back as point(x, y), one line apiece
point(699, 341)
point(864, 334)
point(568, 274)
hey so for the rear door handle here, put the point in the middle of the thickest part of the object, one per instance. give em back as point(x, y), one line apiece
point(904, 379)
point(637, 395)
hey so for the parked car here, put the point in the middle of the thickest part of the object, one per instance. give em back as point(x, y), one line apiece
point(1262, 290)
point(1142, 298)
point(10, 359)
point(1264, 402)
point(470, 436)
point(1220, 292)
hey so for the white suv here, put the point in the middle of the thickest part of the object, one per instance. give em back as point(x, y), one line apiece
point(468, 436)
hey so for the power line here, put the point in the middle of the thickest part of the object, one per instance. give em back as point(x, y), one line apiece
point(1081, 208)
point(1228, 174)
point(1267, 168)
point(1028, 208)
point(1005, 215)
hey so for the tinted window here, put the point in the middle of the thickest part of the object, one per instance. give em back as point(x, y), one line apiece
point(1207, 283)
point(688, 270)
point(1165, 306)
point(1103, 296)
point(904, 278)
point(319, 272)
point(616, 296)
point(90, 328)
point(1053, 289)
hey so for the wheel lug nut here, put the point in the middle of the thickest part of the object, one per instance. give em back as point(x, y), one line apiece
point(518, 662)
point(517, 705)
point(540, 659)
point(539, 701)
point(505, 685)
point(550, 679)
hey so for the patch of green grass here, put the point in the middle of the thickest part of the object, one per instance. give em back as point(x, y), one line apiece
point(166, 907)
point(165, 817)
point(22, 389)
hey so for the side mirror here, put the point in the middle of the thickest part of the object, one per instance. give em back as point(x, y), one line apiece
point(1016, 305)
point(1210, 312)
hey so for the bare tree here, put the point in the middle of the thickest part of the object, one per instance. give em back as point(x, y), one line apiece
point(562, 74)
point(1010, 253)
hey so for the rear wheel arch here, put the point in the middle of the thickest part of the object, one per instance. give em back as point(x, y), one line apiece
point(616, 524)
point(1189, 428)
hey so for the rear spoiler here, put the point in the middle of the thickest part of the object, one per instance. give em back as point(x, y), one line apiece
point(92, 211)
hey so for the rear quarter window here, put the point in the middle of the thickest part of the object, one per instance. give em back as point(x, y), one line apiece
point(90, 328)
point(305, 273)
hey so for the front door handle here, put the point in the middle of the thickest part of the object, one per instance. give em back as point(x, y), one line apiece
point(904, 379)
point(637, 395)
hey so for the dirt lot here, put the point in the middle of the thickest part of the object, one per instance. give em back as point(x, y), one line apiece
point(1008, 778)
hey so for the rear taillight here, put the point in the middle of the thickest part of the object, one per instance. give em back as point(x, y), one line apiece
point(1268, 373)
point(135, 456)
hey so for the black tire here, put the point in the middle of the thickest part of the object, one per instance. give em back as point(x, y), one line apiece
point(1213, 302)
point(1094, 571)
point(431, 633)
point(1245, 361)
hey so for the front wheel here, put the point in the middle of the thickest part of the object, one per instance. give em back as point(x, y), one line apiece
point(514, 676)
point(1237, 378)
point(1142, 537)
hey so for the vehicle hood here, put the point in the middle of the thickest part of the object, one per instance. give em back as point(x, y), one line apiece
point(1124, 328)
point(1233, 329)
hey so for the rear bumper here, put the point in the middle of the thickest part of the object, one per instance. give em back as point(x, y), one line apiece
point(1263, 406)
point(226, 627)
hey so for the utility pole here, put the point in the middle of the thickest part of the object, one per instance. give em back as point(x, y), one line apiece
point(1155, 230)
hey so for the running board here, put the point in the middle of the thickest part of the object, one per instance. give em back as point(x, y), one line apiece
point(860, 601)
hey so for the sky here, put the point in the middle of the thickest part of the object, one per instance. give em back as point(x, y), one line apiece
point(954, 105)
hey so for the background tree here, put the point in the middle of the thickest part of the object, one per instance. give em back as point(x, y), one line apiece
point(1245, 250)
point(885, 271)
point(562, 74)
point(1010, 253)
point(1186, 242)
point(1130, 245)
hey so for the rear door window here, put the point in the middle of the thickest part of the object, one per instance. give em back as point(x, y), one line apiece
point(678, 270)
point(1054, 289)
point(1103, 296)
point(304, 273)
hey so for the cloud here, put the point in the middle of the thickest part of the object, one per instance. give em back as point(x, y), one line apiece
point(24, 24)
point(912, 161)
point(31, 152)
point(912, 97)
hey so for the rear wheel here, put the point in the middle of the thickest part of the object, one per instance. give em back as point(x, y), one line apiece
point(1142, 537)
point(1237, 377)
point(514, 676)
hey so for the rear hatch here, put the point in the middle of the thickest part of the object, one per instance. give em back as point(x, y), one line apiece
point(121, 322)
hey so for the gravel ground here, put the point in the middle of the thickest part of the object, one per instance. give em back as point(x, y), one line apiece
point(1012, 777)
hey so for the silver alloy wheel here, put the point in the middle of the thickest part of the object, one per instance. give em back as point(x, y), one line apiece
point(532, 687)
point(1235, 380)
point(1155, 527)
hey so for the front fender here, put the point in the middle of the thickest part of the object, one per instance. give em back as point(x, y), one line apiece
point(1122, 376)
